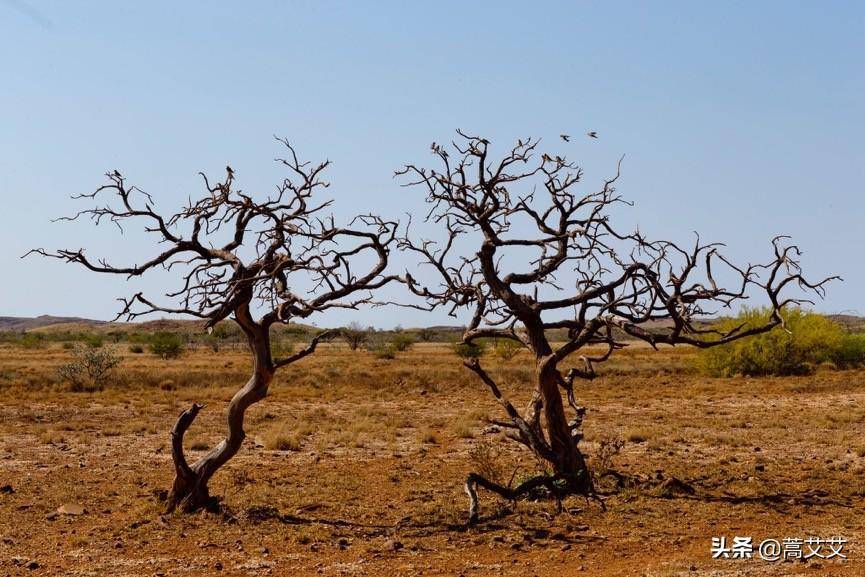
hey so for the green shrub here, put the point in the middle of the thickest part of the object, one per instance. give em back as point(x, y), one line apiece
point(385, 351)
point(33, 341)
point(89, 369)
point(402, 342)
point(851, 352)
point(810, 339)
point(280, 348)
point(93, 341)
point(471, 350)
point(506, 349)
point(167, 345)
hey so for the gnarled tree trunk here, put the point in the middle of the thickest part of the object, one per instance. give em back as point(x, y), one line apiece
point(568, 462)
point(190, 489)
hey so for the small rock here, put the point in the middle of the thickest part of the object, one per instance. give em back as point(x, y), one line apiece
point(566, 547)
point(51, 516)
point(342, 543)
point(7, 489)
point(217, 566)
point(392, 545)
point(32, 565)
point(760, 467)
point(692, 568)
point(71, 509)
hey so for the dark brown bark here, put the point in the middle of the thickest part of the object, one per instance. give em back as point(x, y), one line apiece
point(230, 250)
point(582, 276)
point(190, 488)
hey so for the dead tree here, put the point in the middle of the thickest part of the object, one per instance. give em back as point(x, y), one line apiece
point(258, 262)
point(526, 253)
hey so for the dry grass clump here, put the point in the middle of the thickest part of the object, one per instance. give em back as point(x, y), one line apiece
point(282, 438)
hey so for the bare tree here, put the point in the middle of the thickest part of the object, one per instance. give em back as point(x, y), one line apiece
point(526, 253)
point(238, 257)
point(355, 335)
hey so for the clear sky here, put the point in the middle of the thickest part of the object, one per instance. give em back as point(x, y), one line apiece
point(740, 120)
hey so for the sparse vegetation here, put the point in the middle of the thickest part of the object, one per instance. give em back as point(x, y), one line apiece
point(506, 349)
point(89, 370)
point(167, 345)
point(806, 341)
point(471, 350)
point(355, 336)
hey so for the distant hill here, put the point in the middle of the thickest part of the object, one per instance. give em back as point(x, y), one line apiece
point(55, 324)
point(24, 324)
point(52, 324)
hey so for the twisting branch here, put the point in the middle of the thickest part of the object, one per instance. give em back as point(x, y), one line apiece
point(237, 255)
point(524, 250)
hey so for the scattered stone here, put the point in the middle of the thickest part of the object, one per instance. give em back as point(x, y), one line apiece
point(217, 566)
point(674, 486)
point(71, 509)
point(566, 547)
point(51, 516)
point(392, 545)
point(490, 430)
point(342, 543)
point(7, 489)
point(760, 467)
point(32, 565)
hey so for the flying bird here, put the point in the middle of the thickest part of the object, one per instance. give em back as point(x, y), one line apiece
point(592, 134)
point(565, 137)
point(229, 171)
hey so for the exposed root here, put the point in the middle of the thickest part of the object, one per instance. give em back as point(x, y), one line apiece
point(557, 486)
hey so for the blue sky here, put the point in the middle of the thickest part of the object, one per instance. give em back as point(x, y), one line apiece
point(740, 120)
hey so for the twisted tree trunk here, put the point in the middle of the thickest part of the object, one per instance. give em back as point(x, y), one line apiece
point(190, 491)
point(568, 461)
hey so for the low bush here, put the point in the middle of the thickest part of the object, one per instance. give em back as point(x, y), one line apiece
point(506, 349)
point(167, 345)
point(32, 341)
point(89, 370)
point(93, 341)
point(471, 350)
point(384, 348)
point(809, 340)
point(402, 342)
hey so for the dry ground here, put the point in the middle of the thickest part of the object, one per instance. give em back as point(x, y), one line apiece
point(354, 466)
